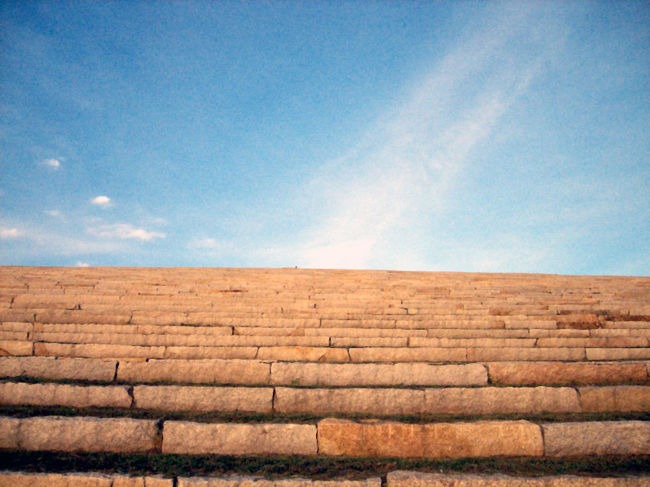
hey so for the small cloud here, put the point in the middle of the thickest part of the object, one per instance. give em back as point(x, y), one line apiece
point(82, 264)
point(9, 232)
point(103, 201)
point(54, 213)
point(158, 221)
point(124, 231)
point(53, 163)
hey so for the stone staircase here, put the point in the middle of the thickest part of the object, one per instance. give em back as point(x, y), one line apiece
point(292, 377)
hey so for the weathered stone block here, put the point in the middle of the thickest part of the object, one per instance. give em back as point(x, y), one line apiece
point(188, 398)
point(9, 432)
point(303, 354)
point(615, 399)
point(239, 439)
point(240, 481)
point(597, 438)
point(408, 354)
point(518, 373)
point(18, 393)
point(435, 440)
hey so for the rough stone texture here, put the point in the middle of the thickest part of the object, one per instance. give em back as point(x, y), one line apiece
point(615, 399)
point(516, 373)
point(618, 353)
point(17, 393)
point(435, 440)
point(88, 434)
point(240, 481)
point(597, 438)
point(349, 401)
point(408, 354)
point(249, 372)
point(471, 342)
point(303, 354)
point(9, 432)
point(369, 341)
point(511, 353)
point(51, 368)
point(412, 374)
point(421, 479)
point(188, 398)
point(239, 439)
point(15, 348)
point(20, 479)
point(210, 352)
point(501, 400)
point(96, 350)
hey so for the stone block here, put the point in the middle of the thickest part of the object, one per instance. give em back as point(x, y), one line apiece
point(596, 438)
point(385, 401)
point(524, 354)
point(303, 354)
point(369, 341)
point(408, 354)
point(210, 353)
point(538, 373)
point(615, 399)
point(184, 437)
point(618, 353)
point(9, 432)
point(471, 342)
point(433, 440)
point(96, 350)
point(88, 434)
point(16, 348)
point(501, 400)
point(241, 481)
point(422, 479)
point(409, 374)
point(249, 372)
point(20, 479)
point(189, 398)
point(63, 368)
point(18, 393)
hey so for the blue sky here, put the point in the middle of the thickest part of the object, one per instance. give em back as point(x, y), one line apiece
point(460, 136)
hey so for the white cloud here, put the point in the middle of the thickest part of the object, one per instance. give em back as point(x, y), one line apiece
point(124, 231)
point(53, 163)
point(10, 233)
point(54, 213)
point(82, 264)
point(103, 201)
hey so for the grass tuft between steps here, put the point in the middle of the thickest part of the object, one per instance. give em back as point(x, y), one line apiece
point(311, 467)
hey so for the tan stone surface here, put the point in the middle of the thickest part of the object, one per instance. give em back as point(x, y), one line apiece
point(16, 326)
point(615, 399)
point(369, 341)
point(20, 479)
point(96, 350)
point(408, 354)
point(422, 479)
point(63, 368)
point(13, 336)
point(125, 481)
point(15, 348)
point(434, 440)
point(156, 481)
point(239, 439)
point(471, 342)
point(530, 354)
point(517, 373)
point(189, 398)
point(411, 374)
point(594, 342)
point(597, 438)
point(501, 400)
point(241, 481)
point(618, 353)
point(88, 434)
point(303, 354)
point(18, 393)
point(250, 372)
point(210, 353)
point(350, 401)
point(9, 432)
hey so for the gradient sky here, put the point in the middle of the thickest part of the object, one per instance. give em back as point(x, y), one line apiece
point(460, 136)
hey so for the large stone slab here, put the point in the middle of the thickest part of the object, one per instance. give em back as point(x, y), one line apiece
point(384, 401)
point(88, 434)
point(18, 393)
point(239, 439)
point(409, 374)
point(534, 373)
point(597, 438)
point(421, 479)
point(529, 354)
point(389, 354)
point(16, 348)
point(249, 372)
point(189, 398)
point(500, 400)
point(615, 399)
point(9, 432)
point(303, 354)
point(62, 368)
point(20, 479)
point(433, 440)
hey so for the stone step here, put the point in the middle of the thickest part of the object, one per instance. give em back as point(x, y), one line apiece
point(421, 479)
